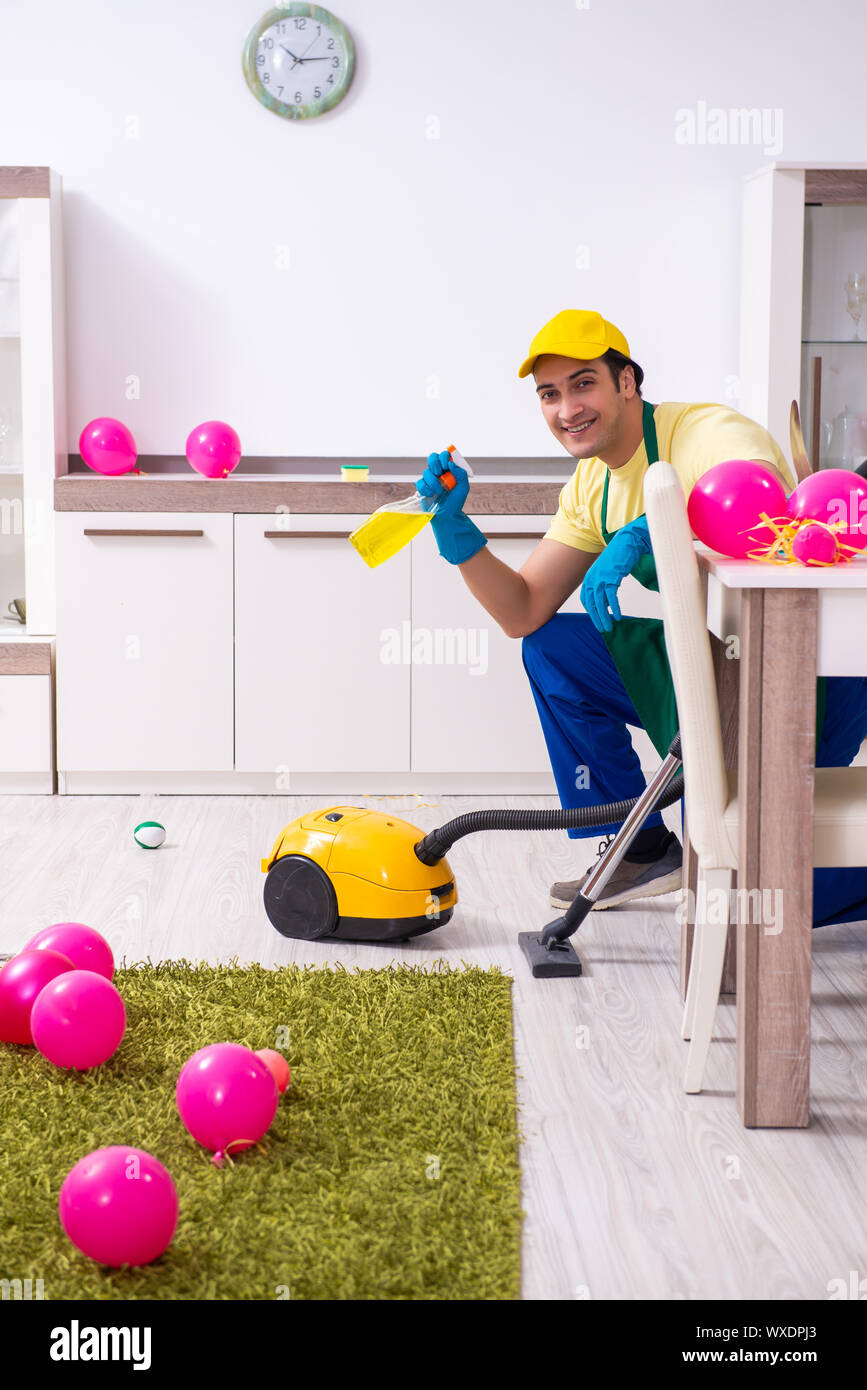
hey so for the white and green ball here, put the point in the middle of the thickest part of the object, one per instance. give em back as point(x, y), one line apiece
point(150, 834)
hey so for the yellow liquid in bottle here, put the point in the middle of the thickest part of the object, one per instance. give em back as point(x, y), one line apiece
point(385, 533)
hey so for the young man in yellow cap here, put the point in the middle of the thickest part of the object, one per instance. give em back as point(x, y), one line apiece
point(592, 674)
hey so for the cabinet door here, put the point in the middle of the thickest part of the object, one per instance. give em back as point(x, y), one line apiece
point(321, 683)
point(473, 710)
point(25, 724)
point(144, 642)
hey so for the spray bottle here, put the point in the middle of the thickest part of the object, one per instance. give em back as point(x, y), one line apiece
point(395, 524)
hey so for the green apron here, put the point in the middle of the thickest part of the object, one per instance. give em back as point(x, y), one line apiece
point(637, 645)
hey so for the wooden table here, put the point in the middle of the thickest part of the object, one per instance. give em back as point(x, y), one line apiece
point(786, 624)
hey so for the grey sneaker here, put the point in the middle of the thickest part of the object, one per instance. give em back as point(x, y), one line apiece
point(628, 881)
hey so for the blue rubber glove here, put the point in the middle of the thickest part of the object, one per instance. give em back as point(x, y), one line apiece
point(456, 536)
point(605, 575)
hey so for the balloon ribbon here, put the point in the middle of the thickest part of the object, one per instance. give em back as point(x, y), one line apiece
point(225, 1152)
point(779, 550)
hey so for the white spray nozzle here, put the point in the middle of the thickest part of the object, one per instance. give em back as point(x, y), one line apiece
point(459, 459)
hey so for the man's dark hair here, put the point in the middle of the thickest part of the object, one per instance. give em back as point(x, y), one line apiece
point(616, 362)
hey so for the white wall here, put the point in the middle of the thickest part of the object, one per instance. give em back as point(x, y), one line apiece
point(410, 258)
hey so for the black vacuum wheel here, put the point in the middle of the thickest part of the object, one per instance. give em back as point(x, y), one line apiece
point(300, 899)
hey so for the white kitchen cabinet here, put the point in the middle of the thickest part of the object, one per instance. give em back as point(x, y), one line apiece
point(25, 729)
point(472, 706)
point(144, 642)
point(259, 646)
point(26, 715)
point(316, 688)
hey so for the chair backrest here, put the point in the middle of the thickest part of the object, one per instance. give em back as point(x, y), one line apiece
point(688, 644)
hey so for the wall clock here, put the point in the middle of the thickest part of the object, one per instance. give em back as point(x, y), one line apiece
point(299, 61)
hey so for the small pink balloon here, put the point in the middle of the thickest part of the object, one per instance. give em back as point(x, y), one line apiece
point(813, 545)
point(85, 947)
point(119, 1206)
point(78, 1020)
point(107, 446)
point(22, 980)
point(725, 503)
point(226, 1094)
point(213, 449)
point(834, 494)
point(277, 1066)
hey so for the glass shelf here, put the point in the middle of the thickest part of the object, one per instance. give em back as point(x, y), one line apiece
point(834, 342)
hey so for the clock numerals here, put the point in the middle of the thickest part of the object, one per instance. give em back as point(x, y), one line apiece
point(318, 56)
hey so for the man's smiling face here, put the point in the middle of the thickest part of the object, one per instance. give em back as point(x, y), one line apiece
point(581, 404)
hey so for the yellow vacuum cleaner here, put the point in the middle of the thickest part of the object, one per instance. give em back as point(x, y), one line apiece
point(352, 874)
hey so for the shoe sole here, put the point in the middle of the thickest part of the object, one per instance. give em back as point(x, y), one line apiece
point(668, 883)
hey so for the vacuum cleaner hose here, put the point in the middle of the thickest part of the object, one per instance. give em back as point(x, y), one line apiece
point(437, 843)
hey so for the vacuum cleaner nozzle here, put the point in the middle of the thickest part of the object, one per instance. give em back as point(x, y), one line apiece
point(549, 961)
point(550, 955)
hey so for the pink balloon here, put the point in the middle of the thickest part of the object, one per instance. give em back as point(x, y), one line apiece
point(119, 1206)
point(813, 545)
point(85, 947)
point(78, 1020)
point(277, 1066)
point(22, 980)
point(725, 503)
point(107, 446)
point(213, 449)
point(225, 1093)
point(832, 495)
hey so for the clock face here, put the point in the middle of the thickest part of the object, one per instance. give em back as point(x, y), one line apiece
point(299, 61)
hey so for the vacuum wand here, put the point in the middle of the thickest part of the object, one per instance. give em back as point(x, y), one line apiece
point(549, 952)
point(582, 903)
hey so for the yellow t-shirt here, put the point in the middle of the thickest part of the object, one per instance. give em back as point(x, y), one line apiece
point(692, 438)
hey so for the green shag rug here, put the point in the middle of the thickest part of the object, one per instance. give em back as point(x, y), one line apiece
point(390, 1171)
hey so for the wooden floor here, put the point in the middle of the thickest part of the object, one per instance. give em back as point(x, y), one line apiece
point(632, 1189)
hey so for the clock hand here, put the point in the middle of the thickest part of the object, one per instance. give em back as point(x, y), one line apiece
point(307, 49)
point(313, 60)
point(291, 54)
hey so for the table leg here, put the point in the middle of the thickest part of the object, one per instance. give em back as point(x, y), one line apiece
point(776, 767)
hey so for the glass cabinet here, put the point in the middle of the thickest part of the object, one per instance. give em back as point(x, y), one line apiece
point(834, 335)
point(33, 445)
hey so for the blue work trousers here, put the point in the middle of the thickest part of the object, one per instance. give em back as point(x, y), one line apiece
point(584, 710)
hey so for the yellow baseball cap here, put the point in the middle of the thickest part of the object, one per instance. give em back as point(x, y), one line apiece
point(578, 333)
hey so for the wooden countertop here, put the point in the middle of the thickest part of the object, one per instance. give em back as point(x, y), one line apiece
point(23, 654)
point(182, 493)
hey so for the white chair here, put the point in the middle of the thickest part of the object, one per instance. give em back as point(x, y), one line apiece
point(710, 793)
